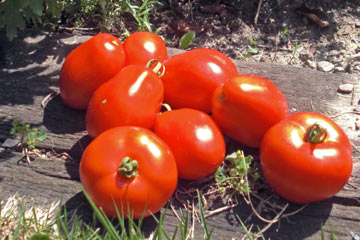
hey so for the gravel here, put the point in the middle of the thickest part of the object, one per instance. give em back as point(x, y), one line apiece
point(282, 35)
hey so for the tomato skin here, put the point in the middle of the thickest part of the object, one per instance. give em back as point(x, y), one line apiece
point(151, 188)
point(301, 171)
point(195, 140)
point(88, 66)
point(132, 97)
point(246, 106)
point(141, 47)
point(191, 77)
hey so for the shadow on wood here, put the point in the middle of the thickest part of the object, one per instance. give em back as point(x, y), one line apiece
point(34, 76)
point(75, 152)
point(69, 121)
point(79, 207)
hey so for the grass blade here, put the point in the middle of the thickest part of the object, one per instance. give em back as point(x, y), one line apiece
point(104, 220)
point(202, 218)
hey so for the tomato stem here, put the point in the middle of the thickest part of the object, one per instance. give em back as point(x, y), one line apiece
point(128, 167)
point(157, 67)
point(166, 106)
point(316, 134)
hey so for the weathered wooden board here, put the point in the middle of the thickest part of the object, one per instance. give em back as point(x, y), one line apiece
point(29, 69)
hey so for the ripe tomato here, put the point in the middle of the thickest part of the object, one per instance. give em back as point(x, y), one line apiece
point(88, 66)
point(246, 106)
point(132, 97)
point(195, 140)
point(141, 47)
point(191, 77)
point(130, 166)
point(306, 157)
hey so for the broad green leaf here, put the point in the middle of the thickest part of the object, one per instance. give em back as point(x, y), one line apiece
point(252, 41)
point(15, 122)
point(20, 4)
point(253, 50)
point(37, 7)
point(13, 131)
point(41, 136)
point(12, 18)
point(186, 40)
point(54, 8)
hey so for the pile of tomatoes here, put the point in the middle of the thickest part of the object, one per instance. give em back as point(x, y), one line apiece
point(138, 151)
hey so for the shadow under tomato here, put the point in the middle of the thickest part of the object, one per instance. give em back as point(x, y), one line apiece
point(61, 119)
point(297, 226)
point(72, 167)
point(79, 208)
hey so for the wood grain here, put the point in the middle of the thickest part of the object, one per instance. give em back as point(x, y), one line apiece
point(29, 73)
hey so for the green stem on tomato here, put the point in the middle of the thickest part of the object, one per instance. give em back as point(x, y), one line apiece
point(128, 167)
point(315, 134)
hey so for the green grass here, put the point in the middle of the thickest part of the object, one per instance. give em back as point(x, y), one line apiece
point(19, 220)
point(238, 175)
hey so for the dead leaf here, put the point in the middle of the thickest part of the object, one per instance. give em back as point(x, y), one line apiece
point(314, 15)
point(181, 27)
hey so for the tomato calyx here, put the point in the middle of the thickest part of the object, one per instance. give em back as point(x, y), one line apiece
point(156, 69)
point(315, 134)
point(221, 97)
point(128, 167)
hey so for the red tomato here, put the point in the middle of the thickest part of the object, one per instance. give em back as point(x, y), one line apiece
point(191, 77)
point(133, 97)
point(304, 162)
point(246, 106)
point(88, 66)
point(130, 166)
point(195, 140)
point(141, 47)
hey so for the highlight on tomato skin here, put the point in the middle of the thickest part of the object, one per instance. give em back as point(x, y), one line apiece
point(302, 171)
point(130, 166)
point(195, 140)
point(141, 47)
point(88, 66)
point(246, 106)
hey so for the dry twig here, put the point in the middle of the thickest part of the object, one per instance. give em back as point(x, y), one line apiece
point(258, 12)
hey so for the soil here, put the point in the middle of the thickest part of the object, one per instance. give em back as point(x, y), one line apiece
point(285, 32)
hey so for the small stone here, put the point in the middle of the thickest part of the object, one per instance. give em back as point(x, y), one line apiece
point(334, 53)
point(311, 64)
point(357, 23)
point(352, 47)
point(346, 88)
point(339, 69)
point(325, 66)
point(343, 52)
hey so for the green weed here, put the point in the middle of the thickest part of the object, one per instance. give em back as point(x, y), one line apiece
point(252, 48)
point(233, 172)
point(186, 40)
point(28, 135)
